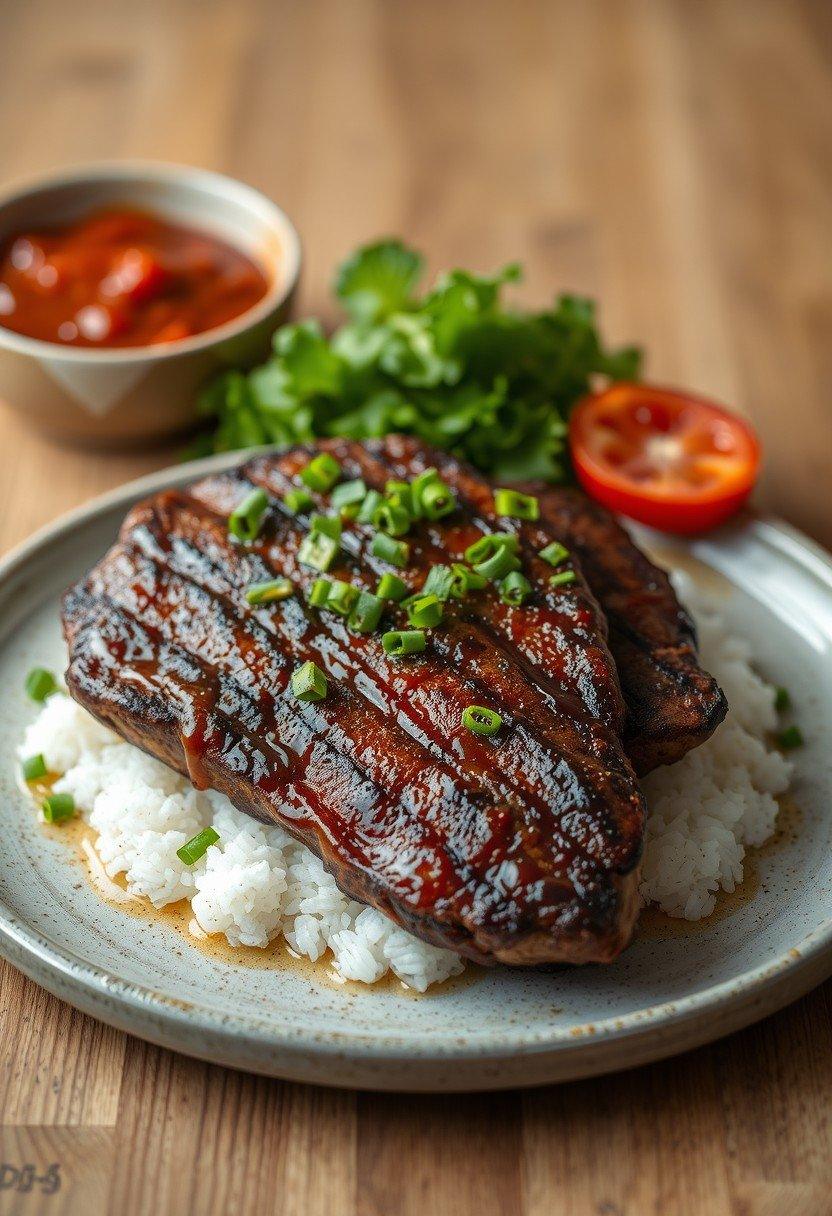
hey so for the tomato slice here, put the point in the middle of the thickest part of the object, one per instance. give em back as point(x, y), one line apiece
point(670, 460)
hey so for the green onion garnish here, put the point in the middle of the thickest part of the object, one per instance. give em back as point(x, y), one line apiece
point(391, 587)
point(342, 596)
point(425, 611)
point(439, 582)
point(296, 501)
point(514, 589)
point(319, 592)
point(318, 551)
point(309, 683)
point(321, 473)
point(400, 494)
point(437, 500)
point(369, 506)
point(392, 519)
point(40, 684)
point(480, 720)
point(490, 544)
point(555, 553)
point(790, 738)
point(266, 593)
point(563, 578)
point(58, 807)
point(417, 489)
point(782, 700)
point(366, 614)
point(349, 494)
point(329, 525)
point(197, 846)
point(465, 580)
point(498, 565)
point(34, 767)
point(400, 642)
point(516, 506)
point(244, 522)
point(396, 552)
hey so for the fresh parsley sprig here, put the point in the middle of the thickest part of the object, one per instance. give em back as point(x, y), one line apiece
point(454, 366)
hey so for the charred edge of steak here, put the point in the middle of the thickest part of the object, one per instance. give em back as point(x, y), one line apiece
point(673, 704)
point(583, 910)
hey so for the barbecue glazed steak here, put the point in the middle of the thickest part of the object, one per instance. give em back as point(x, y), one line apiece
point(673, 705)
point(519, 848)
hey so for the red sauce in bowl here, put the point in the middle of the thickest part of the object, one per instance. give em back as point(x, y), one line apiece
point(122, 277)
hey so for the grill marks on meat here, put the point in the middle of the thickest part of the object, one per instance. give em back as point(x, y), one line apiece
point(521, 848)
point(673, 705)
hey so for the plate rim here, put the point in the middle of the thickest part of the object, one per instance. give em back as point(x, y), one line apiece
point(801, 966)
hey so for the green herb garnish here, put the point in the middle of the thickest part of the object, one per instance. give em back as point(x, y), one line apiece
point(516, 506)
point(396, 552)
point(400, 642)
point(267, 593)
point(480, 720)
point(309, 683)
point(197, 846)
point(40, 684)
point(391, 587)
point(790, 738)
point(34, 767)
point(455, 366)
point(245, 520)
point(58, 807)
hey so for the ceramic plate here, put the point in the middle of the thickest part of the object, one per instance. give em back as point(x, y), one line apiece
point(670, 991)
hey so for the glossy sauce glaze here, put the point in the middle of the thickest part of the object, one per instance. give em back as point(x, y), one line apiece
point(122, 278)
point(519, 847)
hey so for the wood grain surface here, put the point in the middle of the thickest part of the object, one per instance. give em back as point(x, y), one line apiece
point(671, 157)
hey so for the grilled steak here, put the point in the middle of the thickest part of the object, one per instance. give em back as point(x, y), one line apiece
point(519, 848)
point(673, 705)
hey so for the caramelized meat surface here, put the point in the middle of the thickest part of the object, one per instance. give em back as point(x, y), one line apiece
point(672, 704)
point(520, 848)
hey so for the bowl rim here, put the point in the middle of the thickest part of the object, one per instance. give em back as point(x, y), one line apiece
point(165, 173)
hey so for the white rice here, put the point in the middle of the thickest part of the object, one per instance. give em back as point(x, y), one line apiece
point(257, 884)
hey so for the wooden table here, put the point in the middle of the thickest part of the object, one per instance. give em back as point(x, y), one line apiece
point(672, 159)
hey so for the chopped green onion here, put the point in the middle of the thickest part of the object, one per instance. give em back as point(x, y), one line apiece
point(465, 580)
point(555, 553)
point(319, 592)
point(34, 767)
point(790, 738)
point(266, 593)
point(425, 611)
point(40, 684)
point(366, 614)
point(514, 589)
point(391, 587)
point(329, 525)
point(341, 597)
point(439, 582)
point(392, 519)
point(396, 552)
point(515, 505)
point(296, 501)
point(197, 846)
point(480, 720)
point(369, 506)
point(399, 494)
point(309, 683)
point(498, 565)
point(490, 544)
point(321, 473)
point(563, 578)
point(417, 489)
point(58, 807)
point(400, 642)
point(437, 500)
point(318, 551)
point(349, 494)
point(782, 700)
point(244, 522)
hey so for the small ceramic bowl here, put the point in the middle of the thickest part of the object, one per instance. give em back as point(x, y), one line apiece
point(121, 397)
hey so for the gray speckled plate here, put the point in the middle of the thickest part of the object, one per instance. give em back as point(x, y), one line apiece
point(667, 993)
